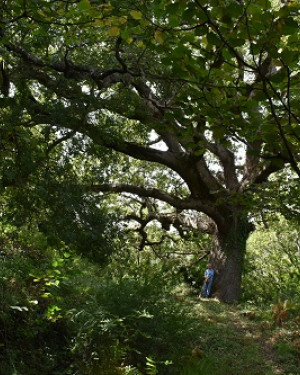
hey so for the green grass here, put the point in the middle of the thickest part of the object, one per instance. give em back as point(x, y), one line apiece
point(231, 344)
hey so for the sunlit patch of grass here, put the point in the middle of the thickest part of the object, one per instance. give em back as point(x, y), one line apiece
point(286, 341)
point(241, 339)
point(231, 344)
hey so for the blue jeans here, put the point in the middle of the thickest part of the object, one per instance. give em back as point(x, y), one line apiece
point(207, 288)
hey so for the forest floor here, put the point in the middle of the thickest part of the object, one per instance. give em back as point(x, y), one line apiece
point(235, 341)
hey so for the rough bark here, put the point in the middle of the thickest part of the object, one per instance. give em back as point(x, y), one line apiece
point(227, 258)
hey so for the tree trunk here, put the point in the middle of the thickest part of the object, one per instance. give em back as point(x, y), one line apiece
point(228, 259)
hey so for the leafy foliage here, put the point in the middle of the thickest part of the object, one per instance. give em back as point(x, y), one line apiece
point(135, 315)
point(272, 263)
point(205, 97)
point(205, 93)
point(32, 284)
point(85, 320)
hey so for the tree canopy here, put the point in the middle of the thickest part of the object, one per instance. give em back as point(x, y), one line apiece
point(206, 92)
point(139, 140)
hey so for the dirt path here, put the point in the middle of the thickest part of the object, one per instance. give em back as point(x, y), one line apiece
point(261, 335)
point(239, 344)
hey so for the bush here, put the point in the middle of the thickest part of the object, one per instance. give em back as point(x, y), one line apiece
point(272, 263)
point(62, 315)
point(129, 318)
point(32, 339)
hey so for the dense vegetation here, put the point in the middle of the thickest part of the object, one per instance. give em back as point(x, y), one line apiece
point(142, 318)
point(138, 141)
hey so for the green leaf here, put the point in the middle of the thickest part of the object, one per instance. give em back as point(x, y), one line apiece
point(290, 27)
point(236, 42)
point(288, 56)
point(235, 9)
point(213, 39)
point(180, 51)
point(256, 48)
point(201, 30)
point(158, 36)
point(174, 20)
point(227, 54)
point(173, 8)
point(114, 31)
point(84, 5)
point(188, 15)
point(136, 14)
point(279, 76)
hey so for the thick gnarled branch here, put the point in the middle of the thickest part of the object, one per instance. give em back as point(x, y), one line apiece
point(182, 204)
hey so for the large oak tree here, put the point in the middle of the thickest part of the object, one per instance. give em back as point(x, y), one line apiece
point(207, 90)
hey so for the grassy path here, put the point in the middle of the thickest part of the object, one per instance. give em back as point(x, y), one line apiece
point(233, 344)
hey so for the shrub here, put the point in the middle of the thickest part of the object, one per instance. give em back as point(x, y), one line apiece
point(129, 318)
point(272, 263)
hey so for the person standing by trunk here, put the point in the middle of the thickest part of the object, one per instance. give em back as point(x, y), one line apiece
point(209, 274)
